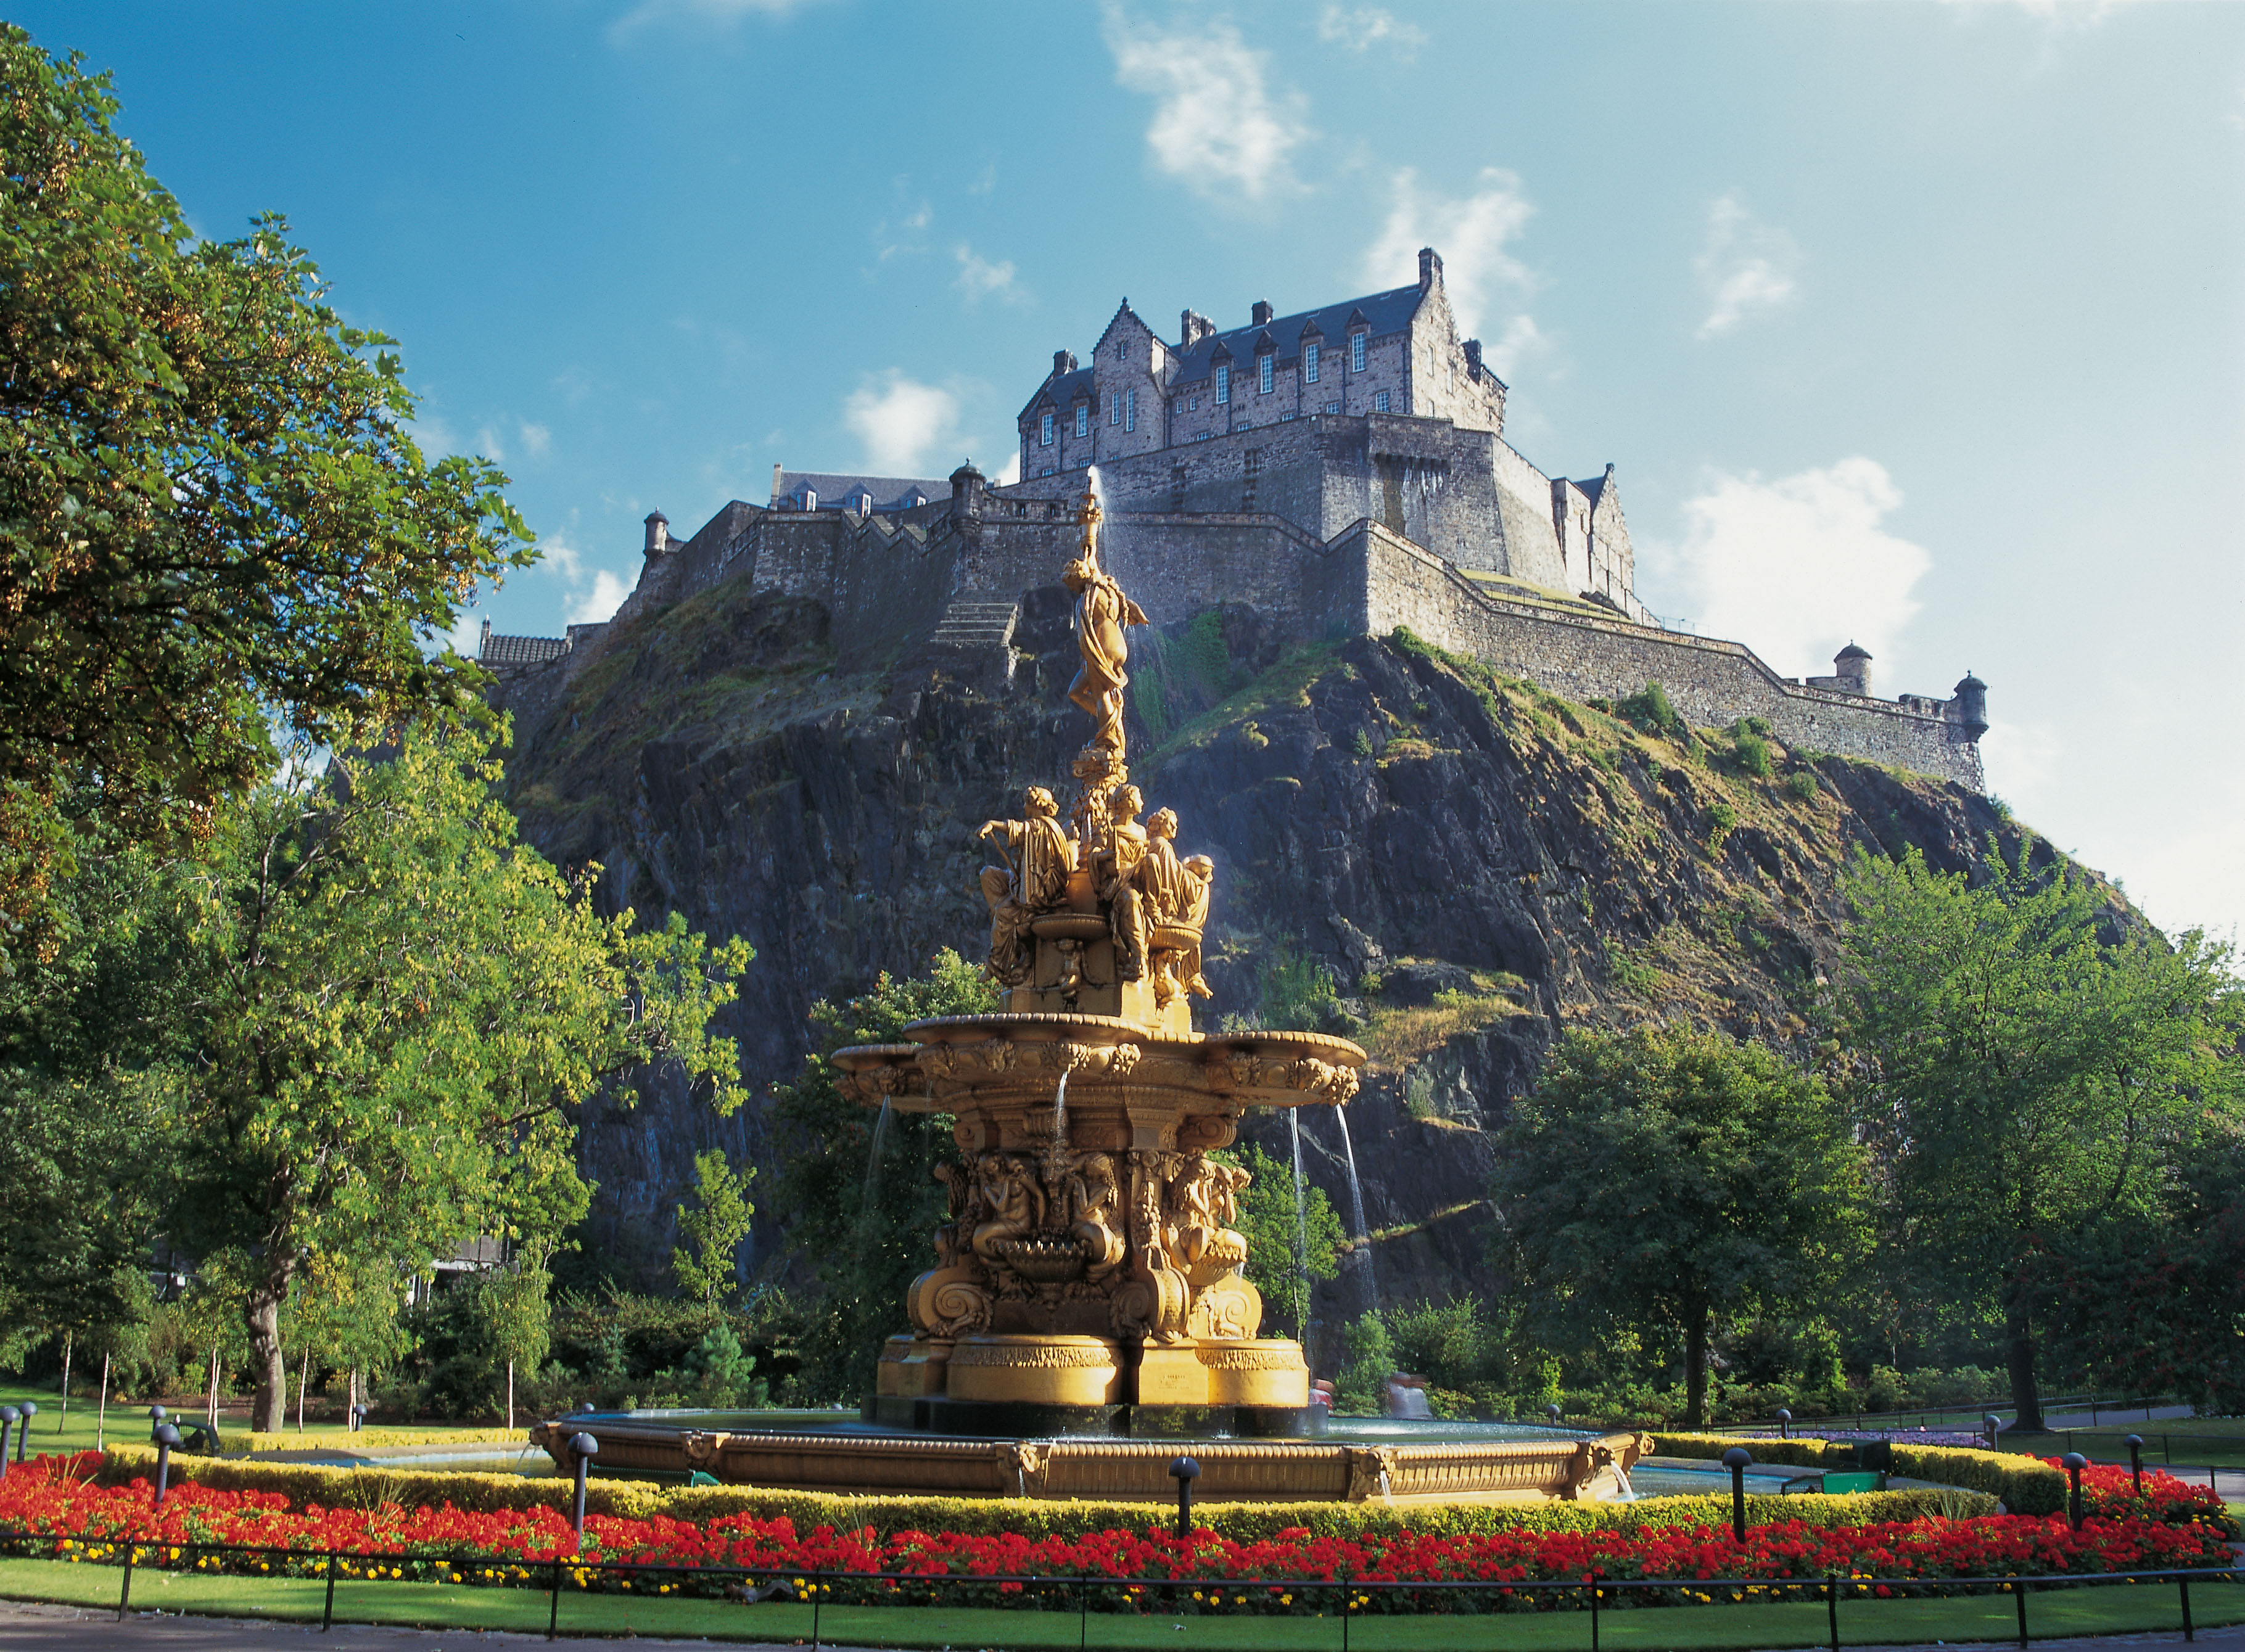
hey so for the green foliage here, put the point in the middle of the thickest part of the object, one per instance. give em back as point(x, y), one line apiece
point(1665, 1176)
point(1298, 993)
point(720, 1373)
point(1361, 743)
point(1367, 1361)
point(714, 1227)
point(1626, 973)
point(1722, 820)
point(1802, 786)
point(1651, 709)
point(1280, 1247)
point(865, 1231)
point(214, 524)
point(2026, 1486)
point(2028, 1071)
point(1176, 676)
point(1750, 746)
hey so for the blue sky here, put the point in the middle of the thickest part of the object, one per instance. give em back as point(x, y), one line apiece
point(1916, 322)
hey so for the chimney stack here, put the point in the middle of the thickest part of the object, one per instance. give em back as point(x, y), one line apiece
point(1063, 362)
point(777, 472)
point(1430, 267)
point(1261, 312)
point(1473, 358)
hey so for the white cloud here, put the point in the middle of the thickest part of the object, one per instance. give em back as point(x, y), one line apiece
point(1216, 124)
point(722, 13)
point(1745, 265)
point(562, 559)
point(900, 420)
point(2074, 13)
point(536, 439)
point(1468, 231)
point(489, 444)
point(979, 278)
point(1520, 341)
point(900, 234)
point(1362, 28)
point(464, 638)
point(1797, 567)
point(1010, 472)
point(600, 601)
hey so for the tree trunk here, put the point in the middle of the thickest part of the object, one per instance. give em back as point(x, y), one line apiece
point(510, 1397)
point(69, 1337)
point(101, 1410)
point(2018, 1358)
point(210, 1409)
point(269, 1405)
point(303, 1381)
point(1695, 1368)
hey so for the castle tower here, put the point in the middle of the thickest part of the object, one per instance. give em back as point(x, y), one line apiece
point(1852, 665)
point(658, 535)
point(1970, 705)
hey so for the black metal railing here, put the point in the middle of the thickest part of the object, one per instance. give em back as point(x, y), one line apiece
point(1346, 1600)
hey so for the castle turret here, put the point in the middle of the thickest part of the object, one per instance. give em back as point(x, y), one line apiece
point(1852, 665)
point(658, 535)
point(966, 485)
point(1970, 705)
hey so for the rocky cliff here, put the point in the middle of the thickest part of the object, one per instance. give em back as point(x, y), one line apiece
point(1448, 864)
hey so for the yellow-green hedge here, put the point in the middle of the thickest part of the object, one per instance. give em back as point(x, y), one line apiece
point(361, 1487)
point(2025, 1485)
point(374, 1438)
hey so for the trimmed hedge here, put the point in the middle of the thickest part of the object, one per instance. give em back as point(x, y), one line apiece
point(306, 1483)
point(376, 1438)
point(2026, 1486)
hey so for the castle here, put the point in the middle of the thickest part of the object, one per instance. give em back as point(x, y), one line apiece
point(1343, 469)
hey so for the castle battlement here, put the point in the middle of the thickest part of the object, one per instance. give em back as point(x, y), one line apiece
point(1330, 521)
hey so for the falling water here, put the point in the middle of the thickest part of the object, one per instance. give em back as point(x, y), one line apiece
point(870, 1200)
point(1060, 1112)
point(1301, 1225)
point(1363, 1233)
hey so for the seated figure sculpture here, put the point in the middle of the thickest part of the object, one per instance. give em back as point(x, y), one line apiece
point(1120, 863)
point(1037, 882)
point(1176, 894)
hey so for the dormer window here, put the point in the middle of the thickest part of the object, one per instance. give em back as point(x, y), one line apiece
point(864, 502)
point(1082, 419)
point(1263, 368)
point(1223, 385)
point(811, 498)
point(1310, 364)
point(1045, 432)
point(1356, 352)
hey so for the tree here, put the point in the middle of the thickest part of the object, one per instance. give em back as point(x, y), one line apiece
point(863, 1219)
point(2027, 1062)
point(213, 521)
point(1669, 1176)
point(714, 1227)
point(398, 1008)
point(1288, 1245)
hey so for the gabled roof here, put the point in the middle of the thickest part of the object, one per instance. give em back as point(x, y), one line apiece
point(890, 492)
point(1388, 312)
point(1063, 392)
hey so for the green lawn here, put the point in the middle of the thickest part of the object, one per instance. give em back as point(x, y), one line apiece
point(2116, 1609)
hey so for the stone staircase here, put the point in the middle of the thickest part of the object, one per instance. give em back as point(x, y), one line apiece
point(971, 624)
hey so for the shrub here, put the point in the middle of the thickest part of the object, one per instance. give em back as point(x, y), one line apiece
point(1801, 785)
point(2024, 1486)
point(1651, 709)
point(1722, 820)
point(1368, 1360)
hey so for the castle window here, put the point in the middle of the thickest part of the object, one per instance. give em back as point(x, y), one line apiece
point(1192, 403)
point(1379, 402)
point(1223, 385)
point(811, 498)
point(1082, 419)
point(1044, 438)
point(1333, 407)
point(1047, 470)
point(1130, 406)
point(1310, 364)
point(1263, 371)
point(1356, 352)
point(1115, 410)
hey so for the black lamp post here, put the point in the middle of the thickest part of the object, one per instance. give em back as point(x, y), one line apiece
point(166, 1437)
point(1554, 1413)
point(357, 1418)
point(24, 1434)
point(1736, 1459)
point(1185, 1471)
point(2135, 1445)
point(2075, 1462)
point(1993, 1424)
point(584, 1448)
point(1784, 1423)
point(9, 1418)
point(156, 1415)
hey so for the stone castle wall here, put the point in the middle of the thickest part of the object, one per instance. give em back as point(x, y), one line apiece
point(888, 582)
point(1586, 657)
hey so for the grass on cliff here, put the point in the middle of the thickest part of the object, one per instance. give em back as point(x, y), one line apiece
point(1285, 685)
point(1397, 1035)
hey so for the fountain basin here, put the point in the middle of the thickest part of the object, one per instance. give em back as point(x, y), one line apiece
point(863, 1462)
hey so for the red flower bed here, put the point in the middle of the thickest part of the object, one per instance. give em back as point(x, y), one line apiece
point(73, 1518)
point(2108, 1491)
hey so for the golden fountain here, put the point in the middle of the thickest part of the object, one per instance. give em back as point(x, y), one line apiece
point(1088, 1282)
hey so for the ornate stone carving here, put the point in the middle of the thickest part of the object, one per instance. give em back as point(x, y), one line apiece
point(1101, 613)
point(1033, 881)
point(1371, 1472)
point(1051, 1355)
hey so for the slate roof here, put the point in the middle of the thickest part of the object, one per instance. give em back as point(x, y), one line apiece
point(834, 491)
point(1064, 391)
point(520, 651)
point(1388, 312)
